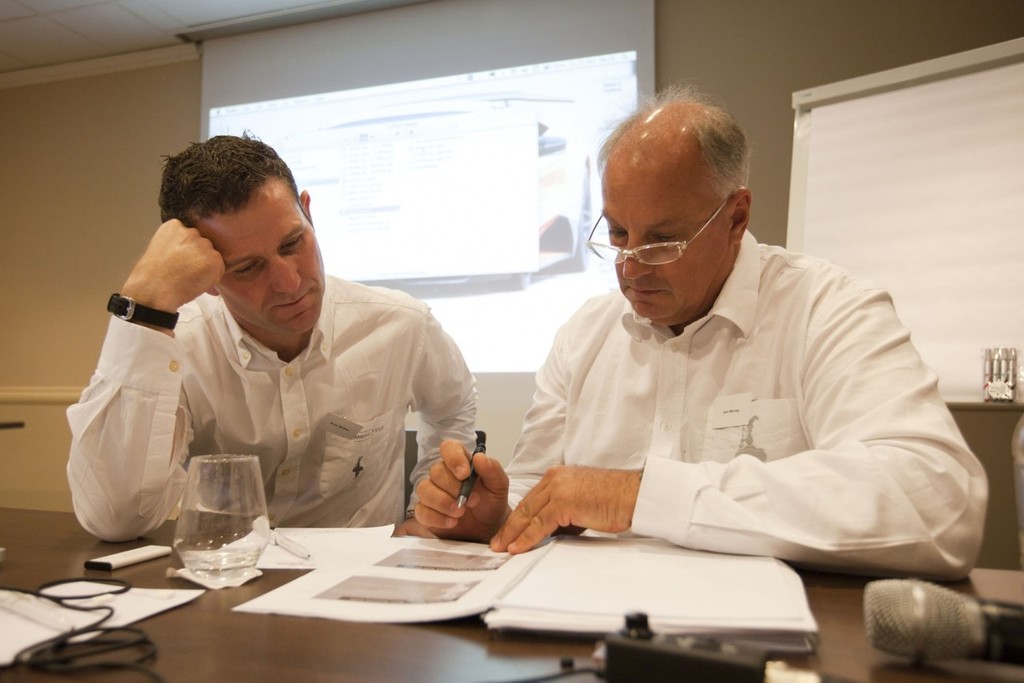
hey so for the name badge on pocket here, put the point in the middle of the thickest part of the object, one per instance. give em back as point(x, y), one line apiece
point(342, 426)
point(731, 411)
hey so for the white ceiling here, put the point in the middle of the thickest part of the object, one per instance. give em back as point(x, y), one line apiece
point(42, 33)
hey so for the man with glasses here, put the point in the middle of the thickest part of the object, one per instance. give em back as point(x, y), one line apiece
point(735, 397)
point(227, 337)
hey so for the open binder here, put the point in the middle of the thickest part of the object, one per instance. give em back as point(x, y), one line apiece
point(570, 585)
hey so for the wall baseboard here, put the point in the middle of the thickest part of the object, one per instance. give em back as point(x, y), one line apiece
point(39, 395)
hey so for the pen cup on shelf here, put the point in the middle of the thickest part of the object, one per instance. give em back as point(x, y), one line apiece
point(1000, 370)
point(222, 527)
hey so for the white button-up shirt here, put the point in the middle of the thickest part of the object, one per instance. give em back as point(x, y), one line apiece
point(328, 427)
point(795, 420)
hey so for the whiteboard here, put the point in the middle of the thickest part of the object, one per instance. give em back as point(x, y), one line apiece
point(914, 178)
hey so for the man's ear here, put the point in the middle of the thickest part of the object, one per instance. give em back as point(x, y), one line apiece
point(304, 203)
point(740, 214)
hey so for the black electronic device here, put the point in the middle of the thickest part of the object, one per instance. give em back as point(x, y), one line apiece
point(636, 655)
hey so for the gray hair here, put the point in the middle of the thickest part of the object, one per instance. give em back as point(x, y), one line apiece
point(719, 136)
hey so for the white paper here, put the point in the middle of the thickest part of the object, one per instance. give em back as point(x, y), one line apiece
point(730, 411)
point(580, 585)
point(396, 580)
point(587, 585)
point(18, 633)
point(327, 546)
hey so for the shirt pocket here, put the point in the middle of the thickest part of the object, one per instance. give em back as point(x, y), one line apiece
point(773, 431)
point(359, 463)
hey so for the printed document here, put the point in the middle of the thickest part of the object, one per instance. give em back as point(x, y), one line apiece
point(577, 585)
point(587, 585)
point(364, 577)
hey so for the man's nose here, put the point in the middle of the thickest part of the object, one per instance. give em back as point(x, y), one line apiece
point(632, 268)
point(286, 277)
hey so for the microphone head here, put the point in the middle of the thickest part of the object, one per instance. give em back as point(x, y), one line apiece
point(921, 620)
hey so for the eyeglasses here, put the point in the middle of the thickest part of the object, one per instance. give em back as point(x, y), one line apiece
point(649, 254)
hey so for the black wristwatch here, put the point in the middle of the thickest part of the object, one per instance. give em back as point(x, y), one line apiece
point(125, 308)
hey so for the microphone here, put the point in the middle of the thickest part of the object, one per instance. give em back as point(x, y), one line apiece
point(926, 622)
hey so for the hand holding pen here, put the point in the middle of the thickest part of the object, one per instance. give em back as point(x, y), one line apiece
point(467, 484)
point(481, 513)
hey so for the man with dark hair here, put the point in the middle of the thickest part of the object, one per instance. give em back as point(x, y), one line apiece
point(227, 337)
point(735, 397)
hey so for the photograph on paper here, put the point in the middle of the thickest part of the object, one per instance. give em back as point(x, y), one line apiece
point(384, 589)
point(419, 558)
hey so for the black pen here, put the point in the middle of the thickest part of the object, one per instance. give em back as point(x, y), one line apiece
point(467, 484)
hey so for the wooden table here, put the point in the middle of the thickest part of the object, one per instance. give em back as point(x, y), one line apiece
point(206, 641)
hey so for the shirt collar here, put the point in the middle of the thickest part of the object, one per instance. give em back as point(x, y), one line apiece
point(247, 347)
point(641, 328)
point(737, 302)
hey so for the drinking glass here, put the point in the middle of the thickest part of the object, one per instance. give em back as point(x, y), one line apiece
point(222, 526)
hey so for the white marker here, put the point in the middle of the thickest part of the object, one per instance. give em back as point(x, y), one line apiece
point(123, 559)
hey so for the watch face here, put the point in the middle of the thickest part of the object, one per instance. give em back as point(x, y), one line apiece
point(125, 308)
point(121, 306)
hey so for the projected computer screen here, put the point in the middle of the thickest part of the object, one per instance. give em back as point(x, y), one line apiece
point(475, 192)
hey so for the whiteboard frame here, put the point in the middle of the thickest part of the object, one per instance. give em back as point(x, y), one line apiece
point(804, 101)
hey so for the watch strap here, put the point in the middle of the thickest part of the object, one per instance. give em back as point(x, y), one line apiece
point(126, 308)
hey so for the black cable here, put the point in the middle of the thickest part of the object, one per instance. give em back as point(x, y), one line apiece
point(93, 646)
point(554, 676)
point(568, 668)
point(69, 653)
point(113, 587)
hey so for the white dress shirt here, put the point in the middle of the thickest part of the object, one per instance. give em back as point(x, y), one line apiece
point(328, 427)
point(795, 420)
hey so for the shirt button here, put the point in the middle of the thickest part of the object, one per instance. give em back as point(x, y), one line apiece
point(246, 356)
point(665, 426)
point(296, 433)
point(289, 371)
point(285, 472)
point(173, 366)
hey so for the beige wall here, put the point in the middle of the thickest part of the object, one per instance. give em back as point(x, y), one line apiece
point(755, 55)
point(80, 162)
point(79, 173)
point(988, 428)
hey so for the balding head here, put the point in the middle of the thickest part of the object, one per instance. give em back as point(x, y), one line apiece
point(679, 126)
point(674, 172)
